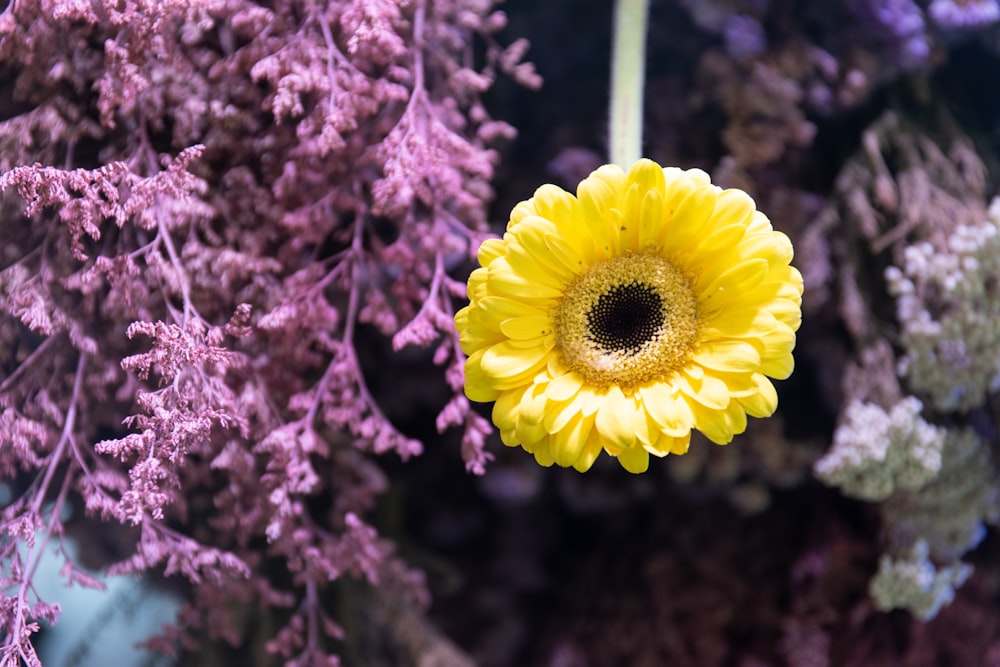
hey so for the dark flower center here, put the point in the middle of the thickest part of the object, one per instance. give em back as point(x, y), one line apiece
point(625, 318)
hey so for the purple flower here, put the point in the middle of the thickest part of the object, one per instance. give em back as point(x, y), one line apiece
point(744, 37)
point(968, 14)
point(900, 24)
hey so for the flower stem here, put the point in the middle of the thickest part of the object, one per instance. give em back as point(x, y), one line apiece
point(628, 65)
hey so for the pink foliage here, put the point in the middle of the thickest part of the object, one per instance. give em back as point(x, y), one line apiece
point(202, 204)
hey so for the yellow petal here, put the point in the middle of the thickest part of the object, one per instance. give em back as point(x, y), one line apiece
point(782, 282)
point(590, 401)
point(764, 401)
point(566, 386)
point(591, 450)
point(699, 177)
point(478, 386)
point(628, 229)
point(529, 244)
point(680, 445)
point(534, 403)
point(509, 438)
point(676, 189)
point(709, 391)
point(727, 355)
point(599, 196)
point(692, 219)
point(717, 247)
point(568, 443)
point(672, 414)
point(462, 318)
point(634, 459)
point(521, 211)
point(760, 223)
point(648, 432)
point(559, 414)
point(611, 175)
point(616, 418)
point(650, 237)
point(571, 251)
point(489, 250)
point(547, 340)
point(736, 418)
point(473, 333)
point(525, 328)
point(777, 361)
point(543, 455)
point(775, 247)
point(734, 207)
point(643, 205)
point(647, 175)
point(537, 265)
point(669, 445)
point(504, 281)
point(531, 435)
point(779, 367)
point(555, 204)
point(732, 284)
point(740, 323)
point(507, 408)
point(496, 309)
point(477, 285)
point(504, 360)
point(720, 426)
point(789, 312)
point(738, 384)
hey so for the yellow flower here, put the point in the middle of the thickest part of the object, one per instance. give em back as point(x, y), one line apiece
point(649, 304)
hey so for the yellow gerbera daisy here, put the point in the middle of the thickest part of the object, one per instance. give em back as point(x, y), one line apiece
point(649, 304)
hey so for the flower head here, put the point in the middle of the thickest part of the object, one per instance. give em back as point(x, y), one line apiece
point(649, 304)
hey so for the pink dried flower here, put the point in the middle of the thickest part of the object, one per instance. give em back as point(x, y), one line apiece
point(372, 26)
point(209, 190)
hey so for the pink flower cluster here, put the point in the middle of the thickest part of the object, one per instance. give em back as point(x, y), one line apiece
point(204, 206)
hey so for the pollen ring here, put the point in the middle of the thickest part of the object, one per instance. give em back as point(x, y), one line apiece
point(628, 320)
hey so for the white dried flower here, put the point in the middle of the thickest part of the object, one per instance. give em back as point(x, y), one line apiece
point(948, 308)
point(912, 582)
point(876, 452)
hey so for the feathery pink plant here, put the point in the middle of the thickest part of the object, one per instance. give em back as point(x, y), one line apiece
point(202, 202)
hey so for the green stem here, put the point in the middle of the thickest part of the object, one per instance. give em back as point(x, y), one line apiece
point(628, 65)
